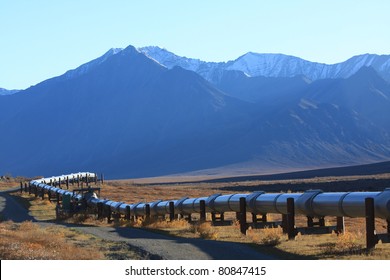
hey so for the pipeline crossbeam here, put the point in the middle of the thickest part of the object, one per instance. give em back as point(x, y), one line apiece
point(313, 203)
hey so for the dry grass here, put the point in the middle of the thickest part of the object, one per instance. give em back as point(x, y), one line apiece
point(346, 244)
point(7, 181)
point(41, 210)
point(323, 246)
point(129, 192)
point(28, 241)
point(267, 236)
point(205, 230)
point(68, 243)
point(164, 224)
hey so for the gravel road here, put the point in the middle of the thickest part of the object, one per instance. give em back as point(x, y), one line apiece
point(158, 245)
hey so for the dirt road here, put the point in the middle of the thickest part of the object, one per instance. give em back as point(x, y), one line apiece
point(157, 245)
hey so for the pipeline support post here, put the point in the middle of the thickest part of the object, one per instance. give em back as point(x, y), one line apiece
point(128, 214)
point(147, 213)
point(310, 222)
point(243, 225)
point(371, 237)
point(21, 187)
point(100, 210)
point(202, 210)
point(109, 215)
point(254, 218)
point(321, 221)
point(284, 223)
point(29, 188)
point(171, 211)
point(388, 227)
point(340, 225)
point(290, 218)
point(25, 187)
point(67, 182)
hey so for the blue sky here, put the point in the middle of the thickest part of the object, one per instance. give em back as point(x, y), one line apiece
point(42, 38)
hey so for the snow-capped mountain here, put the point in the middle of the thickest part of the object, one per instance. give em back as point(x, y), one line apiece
point(132, 113)
point(272, 65)
point(4, 91)
point(211, 71)
point(89, 65)
point(253, 65)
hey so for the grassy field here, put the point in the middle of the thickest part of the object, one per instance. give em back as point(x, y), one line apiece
point(270, 240)
point(318, 246)
point(29, 240)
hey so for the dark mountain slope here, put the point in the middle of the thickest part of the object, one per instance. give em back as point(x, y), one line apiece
point(127, 116)
point(261, 89)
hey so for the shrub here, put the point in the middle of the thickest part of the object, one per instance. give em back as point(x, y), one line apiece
point(28, 241)
point(205, 231)
point(161, 224)
point(266, 236)
point(346, 243)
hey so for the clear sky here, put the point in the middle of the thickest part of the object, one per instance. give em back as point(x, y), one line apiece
point(45, 38)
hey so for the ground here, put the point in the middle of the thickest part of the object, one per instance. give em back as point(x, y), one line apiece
point(269, 243)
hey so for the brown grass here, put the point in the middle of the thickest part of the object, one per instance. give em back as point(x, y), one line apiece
point(323, 246)
point(346, 244)
point(267, 236)
point(28, 241)
point(7, 181)
point(164, 224)
point(205, 230)
point(41, 210)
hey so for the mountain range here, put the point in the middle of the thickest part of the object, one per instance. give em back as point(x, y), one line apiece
point(272, 65)
point(148, 112)
point(4, 91)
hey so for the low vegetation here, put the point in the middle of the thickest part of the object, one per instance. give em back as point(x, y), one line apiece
point(30, 241)
point(350, 245)
point(271, 240)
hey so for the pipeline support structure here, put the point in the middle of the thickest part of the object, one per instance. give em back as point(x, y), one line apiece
point(312, 204)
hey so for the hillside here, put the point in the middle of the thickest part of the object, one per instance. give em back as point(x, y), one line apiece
point(127, 115)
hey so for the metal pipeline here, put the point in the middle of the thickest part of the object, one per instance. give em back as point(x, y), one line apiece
point(314, 203)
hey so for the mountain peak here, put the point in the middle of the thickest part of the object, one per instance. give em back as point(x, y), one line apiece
point(113, 51)
point(131, 50)
point(84, 68)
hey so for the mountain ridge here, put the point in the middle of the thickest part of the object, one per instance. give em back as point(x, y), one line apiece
point(273, 65)
point(128, 115)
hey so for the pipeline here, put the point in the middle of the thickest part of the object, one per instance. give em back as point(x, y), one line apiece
point(313, 203)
